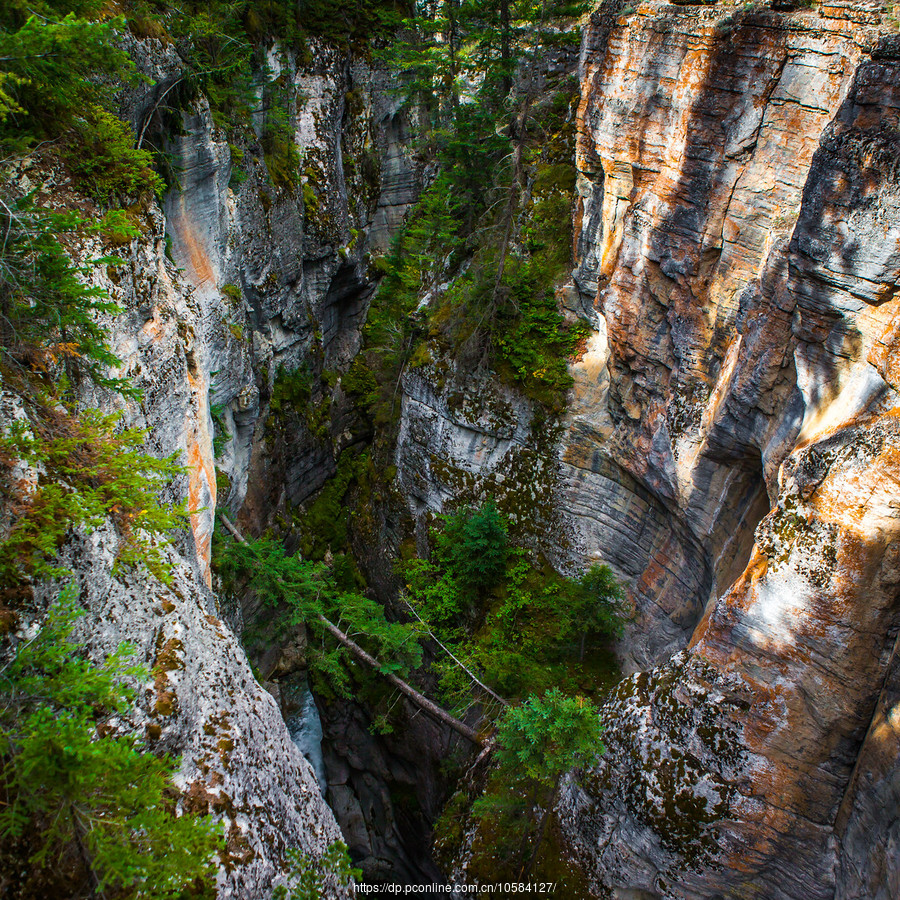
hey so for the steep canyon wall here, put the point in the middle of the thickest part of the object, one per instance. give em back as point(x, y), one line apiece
point(238, 276)
point(730, 444)
point(739, 237)
point(729, 447)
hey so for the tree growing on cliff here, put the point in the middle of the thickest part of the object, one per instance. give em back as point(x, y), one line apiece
point(597, 606)
point(306, 594)
point(81, 799)
point(488, 241)
point(506, 615)
point(58, 70)
point(474, 545)
point(537, 743)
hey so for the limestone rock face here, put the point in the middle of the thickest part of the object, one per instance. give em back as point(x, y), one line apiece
point(204, 704)
point(201, 703)
point(697, 134)
point(236, 273)
point(740, 239)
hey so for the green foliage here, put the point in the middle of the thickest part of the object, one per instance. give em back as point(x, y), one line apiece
point(522, 626)
point(222, 47)
point(432, 242)
point(436, 595)
point(491, 237)
point(119, 227)
point(48, 315)
point(233, 293)
point(9, 82)
point(106, 162)
point(291, 390)
point(473, 546)
point(538, 741)
point(324, 525)
point(312, 878)
point(279, 148)
point(488, 265)
point(599, 605)
point(57, 73)
point(89, 469)
point(310, 200)
point(545, 737)
point(49, 60)
point(349, 24)
point(89, 472)
point(300, 591)
point(88, 806)
point(536, 342)
point(216, 55)
point(221, 434)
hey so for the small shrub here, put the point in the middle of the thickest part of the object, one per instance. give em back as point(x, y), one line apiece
point(233, 293)
point(291, 390)
point(310, 878)
point(89, 472)
point(106, 162)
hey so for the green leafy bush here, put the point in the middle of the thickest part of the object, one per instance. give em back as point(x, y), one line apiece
point(58, 70)
point(291, 390)
point(280, 151)
point(599, 606)
point(535, 342)
point(491, 237)
point(543, 738)
point(89, 471)
point(51, 58)
point(324, 524)
point(89, 468)
point(538, 741)
point(105, 161)
point(518, 623)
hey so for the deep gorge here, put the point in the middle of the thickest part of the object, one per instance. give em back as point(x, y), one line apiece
point(666, 341)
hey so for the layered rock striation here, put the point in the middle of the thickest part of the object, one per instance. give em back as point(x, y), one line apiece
point(729, 446)
point(740, 239)
point(240, 274)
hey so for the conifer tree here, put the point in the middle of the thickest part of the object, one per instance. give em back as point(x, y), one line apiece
point(82, 803)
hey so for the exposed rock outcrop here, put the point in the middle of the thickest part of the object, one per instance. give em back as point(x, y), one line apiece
point(730, 446)
point(237, 273)
point(745, 345)
point(697, 135)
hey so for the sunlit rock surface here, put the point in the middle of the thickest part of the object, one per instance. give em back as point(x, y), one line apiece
point(740, 238)
point(730, 446)
point(698, 129)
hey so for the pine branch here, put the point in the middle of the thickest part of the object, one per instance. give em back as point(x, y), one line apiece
point(428, 706)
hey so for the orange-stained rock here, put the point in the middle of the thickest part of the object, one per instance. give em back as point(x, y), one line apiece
point(697, 130)
point(740, 237)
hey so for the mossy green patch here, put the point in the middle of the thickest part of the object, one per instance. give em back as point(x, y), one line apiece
point(324, 524)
